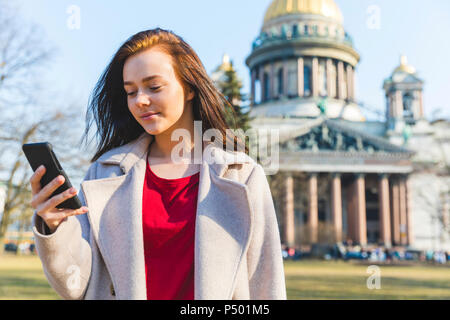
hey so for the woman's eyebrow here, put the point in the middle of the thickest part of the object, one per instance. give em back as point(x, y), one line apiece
point(143, 80)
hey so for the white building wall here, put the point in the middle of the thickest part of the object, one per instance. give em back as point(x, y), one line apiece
point(430, 186)
point(427, 207)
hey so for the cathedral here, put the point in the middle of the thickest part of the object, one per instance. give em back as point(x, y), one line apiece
point(341, 177)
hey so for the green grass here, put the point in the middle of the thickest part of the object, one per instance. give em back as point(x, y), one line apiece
point(346, 280)
point(21, 277)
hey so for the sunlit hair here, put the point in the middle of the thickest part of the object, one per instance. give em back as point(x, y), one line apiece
point(116, 125)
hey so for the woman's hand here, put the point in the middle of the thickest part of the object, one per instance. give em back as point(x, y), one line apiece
point(46, 208)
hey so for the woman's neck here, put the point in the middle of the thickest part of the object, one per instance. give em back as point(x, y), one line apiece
point(162, 145)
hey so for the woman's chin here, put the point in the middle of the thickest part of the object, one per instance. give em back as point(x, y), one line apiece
point(153, 130)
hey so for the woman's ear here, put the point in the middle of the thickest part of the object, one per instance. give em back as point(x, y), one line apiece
point(190, 95)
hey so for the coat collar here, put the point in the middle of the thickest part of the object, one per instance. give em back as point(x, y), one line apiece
point(222, 230)
point(127, 155)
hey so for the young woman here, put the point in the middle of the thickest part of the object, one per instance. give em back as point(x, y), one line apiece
point(157, 228)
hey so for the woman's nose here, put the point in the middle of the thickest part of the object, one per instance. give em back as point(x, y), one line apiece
point(142, 98)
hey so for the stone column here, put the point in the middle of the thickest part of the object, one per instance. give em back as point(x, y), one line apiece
point(261, 81)
point(361, 224)
point(395, 213)
point(388, 109)
point(384, 210)
point(421, 104)
point(398, 104)
point(289, 226)
point(315, 77)
point(353, 83)
point(403, 212)
point(351, 204)
point(313, 215)
point(253, 84)
point(336, 206)
point(349, 82)
point(330, 82)
point(409, 222)
point(300, 77)
point(285, 78)
point(340, 77)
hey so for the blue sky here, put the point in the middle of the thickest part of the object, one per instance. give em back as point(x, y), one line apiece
point(214, 27)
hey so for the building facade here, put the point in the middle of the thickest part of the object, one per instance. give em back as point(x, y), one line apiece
point(341, 177)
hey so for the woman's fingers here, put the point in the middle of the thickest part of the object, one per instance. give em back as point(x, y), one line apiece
point(35, 180)
point(76, 212)
point(54, 218)
point(45, 207)
point(51, 203)
point(61, 214)
point(46, 192)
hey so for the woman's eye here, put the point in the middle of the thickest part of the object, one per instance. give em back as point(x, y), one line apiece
point(155, 88)
point(130, 93)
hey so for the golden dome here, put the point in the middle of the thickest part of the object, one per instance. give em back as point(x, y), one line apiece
point(327, 8)
point(404, 66)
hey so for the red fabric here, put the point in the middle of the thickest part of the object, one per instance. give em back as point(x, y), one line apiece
point(168, 220)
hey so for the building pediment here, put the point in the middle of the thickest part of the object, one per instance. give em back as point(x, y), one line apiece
point(329, 136)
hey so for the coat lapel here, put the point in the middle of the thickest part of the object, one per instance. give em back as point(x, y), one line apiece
point(222, 230)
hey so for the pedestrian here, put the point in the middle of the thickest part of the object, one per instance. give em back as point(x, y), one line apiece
point(150, 215)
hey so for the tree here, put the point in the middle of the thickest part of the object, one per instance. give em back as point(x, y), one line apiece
point(24, 54)
point(229, 84)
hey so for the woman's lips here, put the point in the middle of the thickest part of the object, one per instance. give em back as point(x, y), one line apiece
point(153, 115)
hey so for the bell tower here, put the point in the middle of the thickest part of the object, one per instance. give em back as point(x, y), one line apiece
point(404, 102)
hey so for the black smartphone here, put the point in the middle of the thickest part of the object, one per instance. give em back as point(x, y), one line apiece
point(41, 153)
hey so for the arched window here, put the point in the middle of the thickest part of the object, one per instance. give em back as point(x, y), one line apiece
point(307, 80)
point(257, 92)
point(294, 31)
point(407, 105)
point(280, 81)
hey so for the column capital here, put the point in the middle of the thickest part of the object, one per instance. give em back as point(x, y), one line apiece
point(313, 174)
point(336, 174)
point(287, 174)
point(384, 175)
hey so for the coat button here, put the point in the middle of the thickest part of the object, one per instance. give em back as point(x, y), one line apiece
point(111, 289)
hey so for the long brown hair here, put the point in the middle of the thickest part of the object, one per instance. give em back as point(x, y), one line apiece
point(116, 125)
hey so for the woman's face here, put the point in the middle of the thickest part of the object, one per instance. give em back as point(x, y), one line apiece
point(153, 88)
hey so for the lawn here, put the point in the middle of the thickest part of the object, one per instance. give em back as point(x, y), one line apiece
point(347, 280)
point(21, 277)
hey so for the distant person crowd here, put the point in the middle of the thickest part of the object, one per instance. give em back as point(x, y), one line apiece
point(347, 251)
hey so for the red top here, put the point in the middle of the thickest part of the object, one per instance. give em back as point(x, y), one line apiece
point(168, 220)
